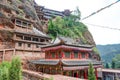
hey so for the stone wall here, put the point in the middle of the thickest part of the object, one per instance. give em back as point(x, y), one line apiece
point(7, 54)
point(30, 75)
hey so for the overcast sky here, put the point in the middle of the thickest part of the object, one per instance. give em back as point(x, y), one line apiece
point(108, 17)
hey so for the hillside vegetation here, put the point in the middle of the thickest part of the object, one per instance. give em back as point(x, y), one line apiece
point(108, 52)
point(70, 26)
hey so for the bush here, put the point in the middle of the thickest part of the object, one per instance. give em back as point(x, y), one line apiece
point(11, 71)
point(15, 69)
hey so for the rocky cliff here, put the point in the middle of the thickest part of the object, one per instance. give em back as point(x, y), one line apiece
point(25, 9)
point(19, 8)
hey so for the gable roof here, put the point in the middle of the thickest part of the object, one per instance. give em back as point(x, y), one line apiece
point(66, 42)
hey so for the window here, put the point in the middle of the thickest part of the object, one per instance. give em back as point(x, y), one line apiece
point(42, 40)
point(18, 22)
point(24, 24)
point(53, 55)
point(29, 45)
point(37, 46)
point(47, 40)
point(28, 38)
point(67, 54)
point(29, 25)
point(75, 54)
point(35, 39)
point(83, 55)
point(19, 44)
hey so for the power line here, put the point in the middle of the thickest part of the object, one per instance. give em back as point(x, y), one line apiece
point(103, 26)
point(100, 10)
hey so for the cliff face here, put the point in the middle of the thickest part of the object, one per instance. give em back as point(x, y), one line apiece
point(87, 35)
point(25, 9)
point(20, 8)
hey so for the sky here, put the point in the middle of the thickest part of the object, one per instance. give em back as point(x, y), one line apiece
point(108, 17)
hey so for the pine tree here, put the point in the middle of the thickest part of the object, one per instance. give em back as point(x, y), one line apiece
point(107, 65)
point(15, 69)
point(113, 64)
point(91, 74)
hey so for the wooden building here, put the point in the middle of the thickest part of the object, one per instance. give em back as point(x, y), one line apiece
point(45, 14)
point(19, 36)
point(68, 59)
point(111, 74)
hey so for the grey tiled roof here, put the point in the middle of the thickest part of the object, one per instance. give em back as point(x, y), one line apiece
point(34, 32)
point(45, 62)
point(82, 62)
point(67, 63)
point(68, 42)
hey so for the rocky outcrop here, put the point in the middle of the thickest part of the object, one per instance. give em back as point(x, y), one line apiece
point(20, 8)
point(89, 38)
point(25, 9)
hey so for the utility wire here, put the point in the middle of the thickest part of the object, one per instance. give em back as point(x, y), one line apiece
point(103, 26)
point(100, 10)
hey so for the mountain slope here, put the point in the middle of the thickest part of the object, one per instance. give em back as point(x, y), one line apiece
point(107, 52)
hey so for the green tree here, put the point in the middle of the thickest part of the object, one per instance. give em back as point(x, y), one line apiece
point(91, 74)
point(113, 64)
point(116, 61)
point(107, 65)
point(4, 75)
point(15, 69)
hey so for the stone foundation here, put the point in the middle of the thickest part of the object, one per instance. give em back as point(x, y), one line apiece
point(7, 54)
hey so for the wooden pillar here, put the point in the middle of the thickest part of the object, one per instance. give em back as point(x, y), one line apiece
point(56, 72)
point(86, 55)
point(79, 55)
point(43, 69)
point(46, 54)
point(50, 55)
point(38, 68)
point(72, 73)
point(85, 74)
point(56, 55)
point(62, 54)
point(77, 75)
point(50, 70)
point(96, 74)
point(72, 55)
